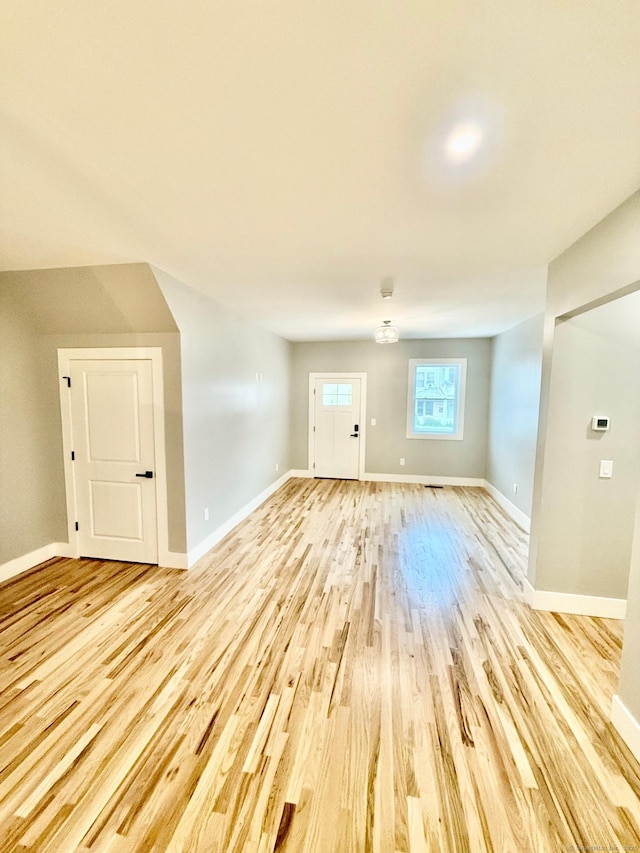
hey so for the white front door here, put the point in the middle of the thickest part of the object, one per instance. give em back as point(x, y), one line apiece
point(337, 427)
point(114, 459)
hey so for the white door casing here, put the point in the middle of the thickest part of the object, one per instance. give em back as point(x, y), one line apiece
point(113, 430)
point(337, 408)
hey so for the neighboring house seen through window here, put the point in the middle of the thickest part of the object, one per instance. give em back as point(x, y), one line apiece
point(435, 407)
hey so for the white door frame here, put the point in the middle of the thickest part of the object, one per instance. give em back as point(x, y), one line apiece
point(153, 354)
point(363, 414)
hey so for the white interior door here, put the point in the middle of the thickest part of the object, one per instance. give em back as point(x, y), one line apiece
point(337, 427)
point(114, 459)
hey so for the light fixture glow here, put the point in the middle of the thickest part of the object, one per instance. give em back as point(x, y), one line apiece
point(463, 142)
point(386, 334)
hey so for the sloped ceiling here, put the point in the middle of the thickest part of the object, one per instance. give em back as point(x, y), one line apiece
point(285, 156)
point(112, 299)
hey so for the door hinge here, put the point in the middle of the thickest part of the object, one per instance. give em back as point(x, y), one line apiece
point(77, 526)
point(314, 429)
point(314, 464)
point(68, 378)
point(73, 455)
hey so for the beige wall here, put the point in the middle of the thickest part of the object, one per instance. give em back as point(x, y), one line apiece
point(513, 422)
point(387, 382)
point(236, 429)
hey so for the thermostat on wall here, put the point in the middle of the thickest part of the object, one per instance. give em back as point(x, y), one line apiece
point(600, 423)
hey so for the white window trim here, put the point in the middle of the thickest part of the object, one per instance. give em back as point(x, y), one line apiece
point(459, 435)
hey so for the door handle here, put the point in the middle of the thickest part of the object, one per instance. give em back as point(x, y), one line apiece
point(147, 474)
point(355, 432)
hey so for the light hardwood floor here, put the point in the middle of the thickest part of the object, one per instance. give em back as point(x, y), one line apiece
point(351, 669)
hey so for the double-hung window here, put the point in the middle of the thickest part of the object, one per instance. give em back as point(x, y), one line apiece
point(435, 405)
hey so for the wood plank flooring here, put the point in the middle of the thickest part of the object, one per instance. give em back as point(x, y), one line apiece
point(351, 669)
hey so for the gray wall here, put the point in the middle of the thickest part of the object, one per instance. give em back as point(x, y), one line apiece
point(236, 429)
point(586, 523)
point(31, 514)
point(605, 261)
point(42, 310)
point(387, 381)
point(513, 421)
point(603, 264)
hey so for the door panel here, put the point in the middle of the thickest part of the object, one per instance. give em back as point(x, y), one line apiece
point(337, 427)
point(104, 394)
point(113, 441)
point(116, 510)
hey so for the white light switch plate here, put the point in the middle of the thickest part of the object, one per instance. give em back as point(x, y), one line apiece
point(606, 469)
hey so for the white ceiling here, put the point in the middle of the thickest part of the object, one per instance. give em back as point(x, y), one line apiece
point(285, 156)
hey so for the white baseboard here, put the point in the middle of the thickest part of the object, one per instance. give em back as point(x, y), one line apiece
point(167, 559)
point(529, 592)
point(220, 532)
point(424, 479)
point(626, 725)
point(512, 510)
point(419, 479)
point(579, 605)
point(33, 558)
point(170, 560)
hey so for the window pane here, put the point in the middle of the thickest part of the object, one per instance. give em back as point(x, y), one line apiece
point(329, 394)
point(334, 394)
point(344, 395)
point(436, 396)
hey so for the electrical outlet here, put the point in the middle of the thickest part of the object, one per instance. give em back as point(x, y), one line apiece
point(373, 421)
point(515, 488)
point(277, 466)
point(206, 513)
point(402, 460)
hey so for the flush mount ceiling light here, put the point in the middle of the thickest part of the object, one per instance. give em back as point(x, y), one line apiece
point(386, 333)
